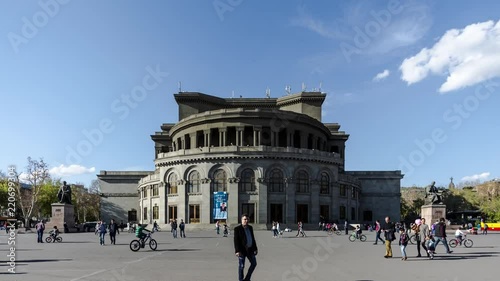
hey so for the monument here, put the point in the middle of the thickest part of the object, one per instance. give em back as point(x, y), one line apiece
point(63, 212)
point(434, 209)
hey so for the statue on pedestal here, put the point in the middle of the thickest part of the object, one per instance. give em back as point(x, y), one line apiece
point(433, 194)
point(64, 194)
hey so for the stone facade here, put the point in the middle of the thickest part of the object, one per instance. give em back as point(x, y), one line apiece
point(274, 157)
point(119, 197)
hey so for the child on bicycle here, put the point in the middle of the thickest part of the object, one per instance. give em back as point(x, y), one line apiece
point(358, 231)
point(54, 232)
point(459, 235)
point(140, 233)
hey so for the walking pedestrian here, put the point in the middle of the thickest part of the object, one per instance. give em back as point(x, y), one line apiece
point(102, 232)
point(181, 228)
point(378, 230)
point(113, 229)
point(424, 236)
point(40, 227)
point(389, 229)
point(245, 247)
point(217, 227)
point(440, 235)
point(403, 242)
point(174, 228)
point(346, 228)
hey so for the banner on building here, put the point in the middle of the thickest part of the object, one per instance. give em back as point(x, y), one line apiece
point(220, 205)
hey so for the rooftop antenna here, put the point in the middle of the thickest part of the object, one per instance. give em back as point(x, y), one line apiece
point(268, 92)
point(303, 87)
point(288, 89)
point(232, 95)
point(320, 84)
point(180, 87)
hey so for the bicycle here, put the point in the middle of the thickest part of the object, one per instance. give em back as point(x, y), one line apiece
point(353, 237)
point(51, 239)
point(136, 244)
point(466, 241)
point(331, 231)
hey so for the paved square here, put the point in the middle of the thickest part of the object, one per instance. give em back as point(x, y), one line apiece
point(204, 256)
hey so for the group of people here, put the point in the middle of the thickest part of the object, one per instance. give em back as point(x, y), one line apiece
point(173, 228)
point(225, 230)
point(428, 237)
point(102, 228)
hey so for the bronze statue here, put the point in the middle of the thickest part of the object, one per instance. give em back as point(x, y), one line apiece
point(434, 194)
point(64, 194)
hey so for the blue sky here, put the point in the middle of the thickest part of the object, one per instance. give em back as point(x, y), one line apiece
point(414, 83)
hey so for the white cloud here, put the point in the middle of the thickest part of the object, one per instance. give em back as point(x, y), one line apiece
point(363, 21)
point(71, 170)
point(480, 177)
point(307, 21)
point(382, 75)
point(467, 56)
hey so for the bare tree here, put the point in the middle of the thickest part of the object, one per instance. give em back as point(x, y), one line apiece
point(87, 201)
point(37, 173)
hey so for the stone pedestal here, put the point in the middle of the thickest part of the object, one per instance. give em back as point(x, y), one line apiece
point(61, 213)
point(432, 213)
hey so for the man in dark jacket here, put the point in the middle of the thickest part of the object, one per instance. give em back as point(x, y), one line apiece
point(245, 246)
point(440, 235)
point(389, 233)
point(113, 229)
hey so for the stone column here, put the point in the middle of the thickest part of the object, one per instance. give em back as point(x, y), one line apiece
point(256, 135)
point(163, 203)
point(181, 201)
point(221, 136)
point(207, 137)
point(263, 206)
point(315, 209)
point(290, 207)
point(183, 142)
point(233, 204)
point(150, 208)
point(206, 196)
point(192, 137)
point(239, 136)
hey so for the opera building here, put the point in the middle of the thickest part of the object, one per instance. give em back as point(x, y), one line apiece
point(271, 158)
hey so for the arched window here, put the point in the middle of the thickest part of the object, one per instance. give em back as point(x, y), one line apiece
point(172, 184)
point(302, 183)
point(247, 182)
point(220, 181)
point(276, 181)
point(324, 184)
point(194, 182)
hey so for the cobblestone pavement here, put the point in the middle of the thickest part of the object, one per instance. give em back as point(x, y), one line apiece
point(208, 257)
